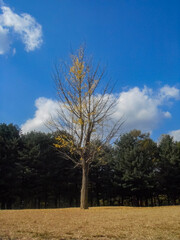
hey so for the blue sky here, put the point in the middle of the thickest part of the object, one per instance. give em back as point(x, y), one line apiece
point(138, 41)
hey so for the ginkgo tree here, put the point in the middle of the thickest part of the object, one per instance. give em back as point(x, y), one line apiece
point(85, 114)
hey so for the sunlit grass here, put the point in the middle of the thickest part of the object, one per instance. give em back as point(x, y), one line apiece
point(161, 223)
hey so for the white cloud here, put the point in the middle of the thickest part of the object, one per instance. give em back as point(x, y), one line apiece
point(167, 92)
point(4, 40)
point(14, 51)
point(175, 134)
point(23, 25)
point(46, 108)
point(140, 108)
point(167, 114)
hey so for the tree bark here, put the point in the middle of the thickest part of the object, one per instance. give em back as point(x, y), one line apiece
point(84, 187)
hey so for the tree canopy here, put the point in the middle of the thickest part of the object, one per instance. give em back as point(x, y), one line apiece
point(83, 113)
point(135, 172)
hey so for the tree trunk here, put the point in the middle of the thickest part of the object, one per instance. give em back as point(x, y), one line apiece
point(122, 200)
point(97, 198)
point(3, 205)
point(84, 187)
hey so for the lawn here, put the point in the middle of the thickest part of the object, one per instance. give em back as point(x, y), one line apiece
point(96, 223)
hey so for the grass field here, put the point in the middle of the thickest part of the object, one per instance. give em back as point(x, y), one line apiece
point(161, 223)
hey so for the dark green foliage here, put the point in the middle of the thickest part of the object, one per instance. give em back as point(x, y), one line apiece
point(134, 163)
point(169, 168)
point(9, 164)
point(47, 176)
point(101, 178)
point(135, 171)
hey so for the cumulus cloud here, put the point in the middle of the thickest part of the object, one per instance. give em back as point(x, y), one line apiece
point(46, 108)
point(140, 108)
point(23, 26)
point(175, 134)
point(167, 114)
point(4, 40)
point(168, 92)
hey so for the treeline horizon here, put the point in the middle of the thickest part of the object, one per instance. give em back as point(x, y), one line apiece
point(134, 171)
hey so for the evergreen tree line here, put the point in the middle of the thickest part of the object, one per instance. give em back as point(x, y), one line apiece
point(135, 171)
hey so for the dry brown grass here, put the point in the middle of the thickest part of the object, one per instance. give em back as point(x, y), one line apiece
point(161, 223)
